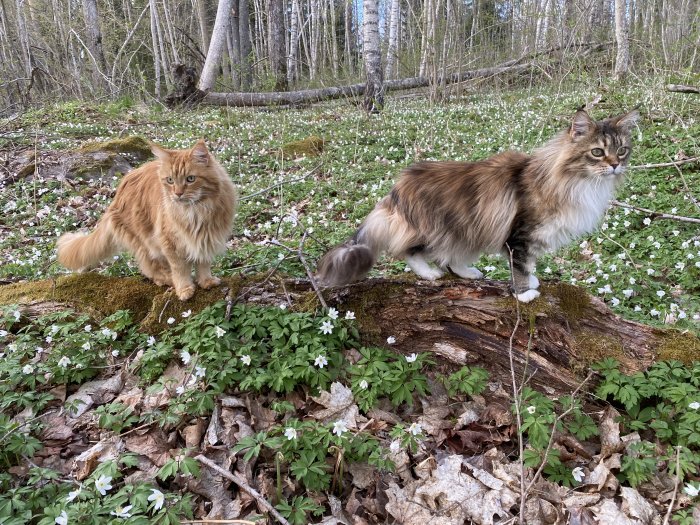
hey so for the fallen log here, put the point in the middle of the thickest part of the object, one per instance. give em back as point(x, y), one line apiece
point(306, 96)
point(680, 88)
point(462, 322)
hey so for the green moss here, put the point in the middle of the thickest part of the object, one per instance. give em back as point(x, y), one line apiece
point(592, 347)
point(681, 346)
point(365, 304)
point(573, 301)
point(309, 147)
point(167, 304)
point(97, 294)
point(133, 145)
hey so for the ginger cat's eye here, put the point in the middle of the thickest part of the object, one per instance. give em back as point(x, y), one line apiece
point(190, 178)
point(621, 152)
point(170, 180)
point(597, 152)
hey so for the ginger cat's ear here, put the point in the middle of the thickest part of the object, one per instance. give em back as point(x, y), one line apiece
point(159, 152)
point(200, 153)
point(581, 125)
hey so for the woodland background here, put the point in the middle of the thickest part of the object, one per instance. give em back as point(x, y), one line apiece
point(109, 48)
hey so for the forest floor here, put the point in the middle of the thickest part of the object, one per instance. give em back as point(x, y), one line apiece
point(101, 388)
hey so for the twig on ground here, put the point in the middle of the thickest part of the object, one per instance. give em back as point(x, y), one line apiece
point(204, 521)
point(686, 188)
point(269, 188)
point(676, 483)
point(656, 214)
point(665, 164)
point(243, 486)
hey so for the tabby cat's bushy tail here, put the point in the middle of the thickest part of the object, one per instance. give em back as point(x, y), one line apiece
point(80, 251)
point(352, 260)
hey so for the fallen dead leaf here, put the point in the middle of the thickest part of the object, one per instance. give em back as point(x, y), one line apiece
point(86, 462)
point(638, 508)
point(93, 393)
point(610, 432)
point(153, 445)
point(340, 405)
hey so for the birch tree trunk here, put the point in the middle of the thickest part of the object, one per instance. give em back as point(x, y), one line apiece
point(275, 39)
point(333, 38)
point(392, 51)
point(622, 61)
point(236, 59)
point(374, 91)
point(293, 42)
point(94, 41)
point(216, 46)
point(315, 38)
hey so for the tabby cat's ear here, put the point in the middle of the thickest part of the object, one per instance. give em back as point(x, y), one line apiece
point(159, 152)
point(627, 120)
point(581, 125)
point(200, 153)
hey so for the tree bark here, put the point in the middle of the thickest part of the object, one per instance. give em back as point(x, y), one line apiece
point(294, 34)
point(622, 61)
point(203, 22)
point(374, 90)
point(245, 43)
point(92, 25)
point(680, 88)
point(216, 46)
point(553, 340)
point(392, 50)
point(276, 43)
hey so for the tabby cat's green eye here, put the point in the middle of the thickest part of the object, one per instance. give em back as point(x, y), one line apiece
point(169, 180)
point(190, 178)
point(622, 151)
point(597, 152)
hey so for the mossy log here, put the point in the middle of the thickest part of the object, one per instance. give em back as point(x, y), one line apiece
point(554, 339)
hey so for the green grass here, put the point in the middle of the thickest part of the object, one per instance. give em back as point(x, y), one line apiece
point(656, 265)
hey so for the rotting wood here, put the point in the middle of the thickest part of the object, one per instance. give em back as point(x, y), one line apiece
point(461, 322)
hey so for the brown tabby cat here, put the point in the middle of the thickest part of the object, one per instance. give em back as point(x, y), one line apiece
point(449, 213)
point(170, 213)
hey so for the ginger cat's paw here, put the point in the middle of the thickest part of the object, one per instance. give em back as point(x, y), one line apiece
point(185, 293)
point(209, 282)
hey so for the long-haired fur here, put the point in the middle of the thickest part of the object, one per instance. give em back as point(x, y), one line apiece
point(171, 213)
point(443, 215)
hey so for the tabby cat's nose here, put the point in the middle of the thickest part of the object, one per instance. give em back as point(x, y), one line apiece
point(614, 166)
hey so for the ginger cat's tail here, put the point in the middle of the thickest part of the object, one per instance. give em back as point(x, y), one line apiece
point(352, 260)
point(80, 251)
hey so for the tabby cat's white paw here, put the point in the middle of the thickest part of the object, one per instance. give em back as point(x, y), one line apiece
point(527, 296)
point(534, 282)
point(431, 274)
point(467, 272)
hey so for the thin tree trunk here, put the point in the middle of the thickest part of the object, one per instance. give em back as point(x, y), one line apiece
point(171, 36)
point(236, 57)
point(23, 38)
point(216, 46)
point(294, 34)
point(315, 39)
point(246, 44)
point(156, 52)
point(374, 92)
point(392, 50)
point(275, 39)
point(622, 61)
point(333, 38)
point(203, 22)
point(349, 37)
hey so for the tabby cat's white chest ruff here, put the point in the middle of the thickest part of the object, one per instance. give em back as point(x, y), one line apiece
point(580, 214)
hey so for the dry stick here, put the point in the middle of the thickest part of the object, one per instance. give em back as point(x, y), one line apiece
point(664, 164)
point(554, 428)
point(243, 486)
point(269, 188)
point(675, 486)
point(300, 254)
point(686, 188)
point(656, 214)
point(516, 395)
point(242, 522)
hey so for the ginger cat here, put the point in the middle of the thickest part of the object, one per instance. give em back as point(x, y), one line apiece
point(442, 215)
point(171, 214)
